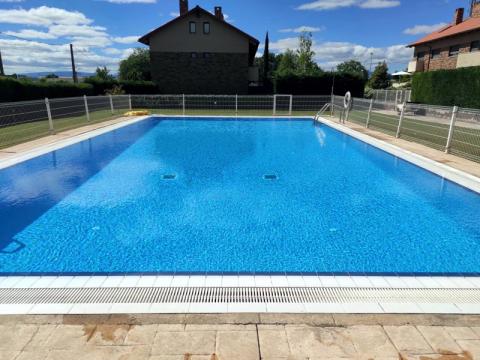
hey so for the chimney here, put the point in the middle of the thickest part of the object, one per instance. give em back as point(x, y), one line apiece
point(183, 7)
point(475, 11)
point(458, 18)
point(218, 12)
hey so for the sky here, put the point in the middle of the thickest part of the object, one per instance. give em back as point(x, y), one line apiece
point(34, 34)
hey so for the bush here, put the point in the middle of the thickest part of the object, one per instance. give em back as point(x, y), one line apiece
point(23, 90)
point(101, 87)
point(320, 84)
point(448, 87)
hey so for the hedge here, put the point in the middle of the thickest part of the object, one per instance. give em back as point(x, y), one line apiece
point(459, 87)
point(320, 84)
point(130, 87)
point(23, 90)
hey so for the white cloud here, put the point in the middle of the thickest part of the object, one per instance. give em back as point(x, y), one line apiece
point(329, 54)
point(30, 34)
point(112, 51)
point(174, 14)
point(126, 39)
point(379, 4)
point(43, 16)
point(423, 29)
point(11, 1)
point(320, 5)
point(29, 53)
point(301, 29)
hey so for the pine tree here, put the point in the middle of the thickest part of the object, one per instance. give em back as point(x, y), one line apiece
point(266, 59)
point(380, 78)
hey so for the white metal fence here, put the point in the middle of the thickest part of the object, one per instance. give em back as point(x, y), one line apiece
point(451, 129)
point(392, 96)
point(454, 130)
point(23, 121)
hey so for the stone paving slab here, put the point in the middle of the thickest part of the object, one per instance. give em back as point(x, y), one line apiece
point(225, 341)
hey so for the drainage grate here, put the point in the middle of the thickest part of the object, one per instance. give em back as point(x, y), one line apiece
point(169, 177)
point(270, 177)
point(236, 295)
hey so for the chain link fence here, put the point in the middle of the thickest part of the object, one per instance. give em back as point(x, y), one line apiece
point(450, 129)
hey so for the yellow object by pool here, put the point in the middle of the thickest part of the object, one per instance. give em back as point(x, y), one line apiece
point(137, 113)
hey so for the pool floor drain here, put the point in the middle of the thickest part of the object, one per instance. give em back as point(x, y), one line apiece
point(169, 177)
point(270, 177)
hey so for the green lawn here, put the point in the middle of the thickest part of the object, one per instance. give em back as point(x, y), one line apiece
point(17, 134)
point(465, 141)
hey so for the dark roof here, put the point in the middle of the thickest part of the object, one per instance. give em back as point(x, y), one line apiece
point(468, 25)
point(146, 38)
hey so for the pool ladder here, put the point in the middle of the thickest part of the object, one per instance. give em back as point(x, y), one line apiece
point(322, 111)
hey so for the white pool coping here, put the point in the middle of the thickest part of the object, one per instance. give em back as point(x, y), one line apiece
point(401, 283)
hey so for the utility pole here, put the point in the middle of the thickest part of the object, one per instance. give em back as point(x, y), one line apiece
point(371, 62)
point(74, 71)
point(2, 71)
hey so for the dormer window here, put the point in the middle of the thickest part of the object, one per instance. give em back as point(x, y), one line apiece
point(206, 28)
point(193, 27)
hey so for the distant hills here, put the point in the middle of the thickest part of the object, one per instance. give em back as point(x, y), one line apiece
point(62, 74)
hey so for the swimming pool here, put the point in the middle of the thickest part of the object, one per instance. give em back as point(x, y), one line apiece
point(205, 196)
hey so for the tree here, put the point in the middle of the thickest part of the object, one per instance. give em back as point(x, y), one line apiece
point(136, 67)
point(102, 73)
point(287, 63)
point(380, 78)
point(266, 60)
point(306, 65)
point(353, 67)
point(51, 76)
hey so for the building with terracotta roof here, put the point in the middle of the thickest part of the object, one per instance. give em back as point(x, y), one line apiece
point(200, 53)
point(454, 46)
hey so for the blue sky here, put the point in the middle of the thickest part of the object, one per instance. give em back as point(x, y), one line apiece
point(105, 31)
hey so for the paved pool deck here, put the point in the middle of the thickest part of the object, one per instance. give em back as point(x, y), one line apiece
point(240, 337)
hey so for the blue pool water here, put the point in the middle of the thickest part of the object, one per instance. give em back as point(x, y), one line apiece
point(191, 195)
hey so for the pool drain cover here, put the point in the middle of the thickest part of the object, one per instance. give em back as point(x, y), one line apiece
point(270, 177)
point(169, 177)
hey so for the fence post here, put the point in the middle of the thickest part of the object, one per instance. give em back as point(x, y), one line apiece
point(50, 120)
point(129, 102)
point(236, 104)
point(111, 104)
point(274, 105)
point(290, 106)
point(451, 129)
point(331, 105)
point(386, 95)
point(86, 107)
point(396, 99)
point(402, 113)
point(369, 113)
point(183, 104)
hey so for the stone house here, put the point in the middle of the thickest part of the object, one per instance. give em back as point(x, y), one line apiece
point(200, 53)
point(454, 46)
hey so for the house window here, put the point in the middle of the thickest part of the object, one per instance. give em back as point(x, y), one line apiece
point(206, 28)
point(420, 55)
point(193, 27)
point(436, 54)
point(475, 46)
point(207, 55)
point(194, 55)
point(454, 50)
